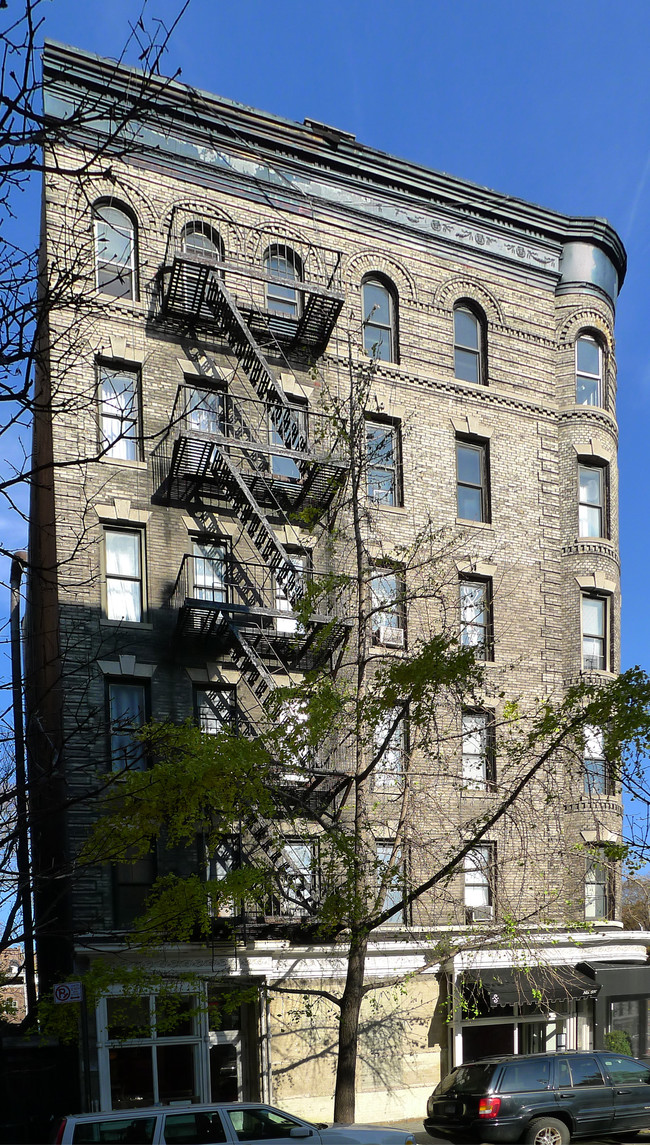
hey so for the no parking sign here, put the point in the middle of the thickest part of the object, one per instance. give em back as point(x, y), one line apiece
point(68, 992)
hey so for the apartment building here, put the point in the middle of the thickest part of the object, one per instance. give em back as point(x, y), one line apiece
point(235, 274)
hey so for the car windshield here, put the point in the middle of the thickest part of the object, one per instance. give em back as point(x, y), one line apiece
point(467, 1079)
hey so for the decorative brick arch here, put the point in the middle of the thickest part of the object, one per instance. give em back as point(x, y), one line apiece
point(266, 234)
point(587, 319)
point(375, 261)
point(80, 200)
point(183, 211)
point(456, 289)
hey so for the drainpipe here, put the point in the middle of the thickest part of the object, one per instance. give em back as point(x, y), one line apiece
point(24, 880)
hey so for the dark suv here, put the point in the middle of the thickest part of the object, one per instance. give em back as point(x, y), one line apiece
point(542, 1099)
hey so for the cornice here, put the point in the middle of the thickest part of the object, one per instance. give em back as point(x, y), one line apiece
point(291, 148)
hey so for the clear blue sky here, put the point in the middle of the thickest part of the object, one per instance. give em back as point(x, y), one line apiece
point(546, 100)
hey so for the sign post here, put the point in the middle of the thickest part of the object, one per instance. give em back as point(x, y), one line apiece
point(65, 992)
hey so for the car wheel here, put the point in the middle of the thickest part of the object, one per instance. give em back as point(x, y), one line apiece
point(547, 1131)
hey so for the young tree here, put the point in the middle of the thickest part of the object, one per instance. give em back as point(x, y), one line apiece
point(364, 756)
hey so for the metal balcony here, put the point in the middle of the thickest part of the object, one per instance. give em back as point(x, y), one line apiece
point(287, 457)
point(224, 601)
point(293, 312)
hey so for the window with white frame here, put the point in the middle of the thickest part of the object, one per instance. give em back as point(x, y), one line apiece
point(598, 887)
point(591, 501)
point(595, 769)
point(468, 345)
point(387, 607)
point(476, 617)
point(379, 320)
point(594, 633)
point(478, 750)
point(391, 863)
point(115, 251)
point(209, 567)
point(287, 624)
point(479, 881)
point(119, 412)
point(127, 710)
point(223, 859)
point(383, 462)
point(389, 745)
point(215, 709)
point(124, 579)
point(284, 266)
point(589, 372)
point(200, 238)
point(297, 868)
point(150, 1049)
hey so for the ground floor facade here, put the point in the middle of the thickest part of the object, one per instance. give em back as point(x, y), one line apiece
point(251, 1023)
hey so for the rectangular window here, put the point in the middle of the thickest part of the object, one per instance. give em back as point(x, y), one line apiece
point(205, 410)
point(594, 633)
point(288, 431)
point(595, 769)
point(479, 882)
point(476, 617)
point(209, 561)
point(124, 595)
point(591, 505)
point(132, 883)
point(287, 624)
point(387, 605)
point(383, 463)
point(297, 869)
point(472, 481)
point(395, 890)
point(127, 711)
point(215, 709)
point(478, 751)
point(120, 412)
point(225, 858)
point(389, 768)
point(599, 898)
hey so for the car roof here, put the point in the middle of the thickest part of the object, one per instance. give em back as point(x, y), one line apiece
point(497, 1058)
point(190, 1107)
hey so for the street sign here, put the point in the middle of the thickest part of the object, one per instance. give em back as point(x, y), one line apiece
point(68, 992)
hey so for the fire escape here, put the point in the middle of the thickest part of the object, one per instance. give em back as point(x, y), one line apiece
point(248, 449)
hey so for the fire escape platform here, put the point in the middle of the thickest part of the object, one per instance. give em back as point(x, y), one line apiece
point(264, 629)
point(185, 295)
point(192, 467)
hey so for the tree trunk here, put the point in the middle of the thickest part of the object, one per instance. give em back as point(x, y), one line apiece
point(346, 1070)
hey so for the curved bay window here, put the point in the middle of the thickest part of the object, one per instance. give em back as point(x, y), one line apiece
point(379, 320)
point(115, 250)
point(285, 266)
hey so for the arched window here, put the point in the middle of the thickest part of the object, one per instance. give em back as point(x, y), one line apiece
point(115, 247)
point(379, 319)
point(589, 371)
point(284, 265)
point(200, 238)
point(469, 345)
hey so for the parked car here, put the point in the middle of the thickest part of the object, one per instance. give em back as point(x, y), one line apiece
point(231, 1123)
point(542, 1099)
